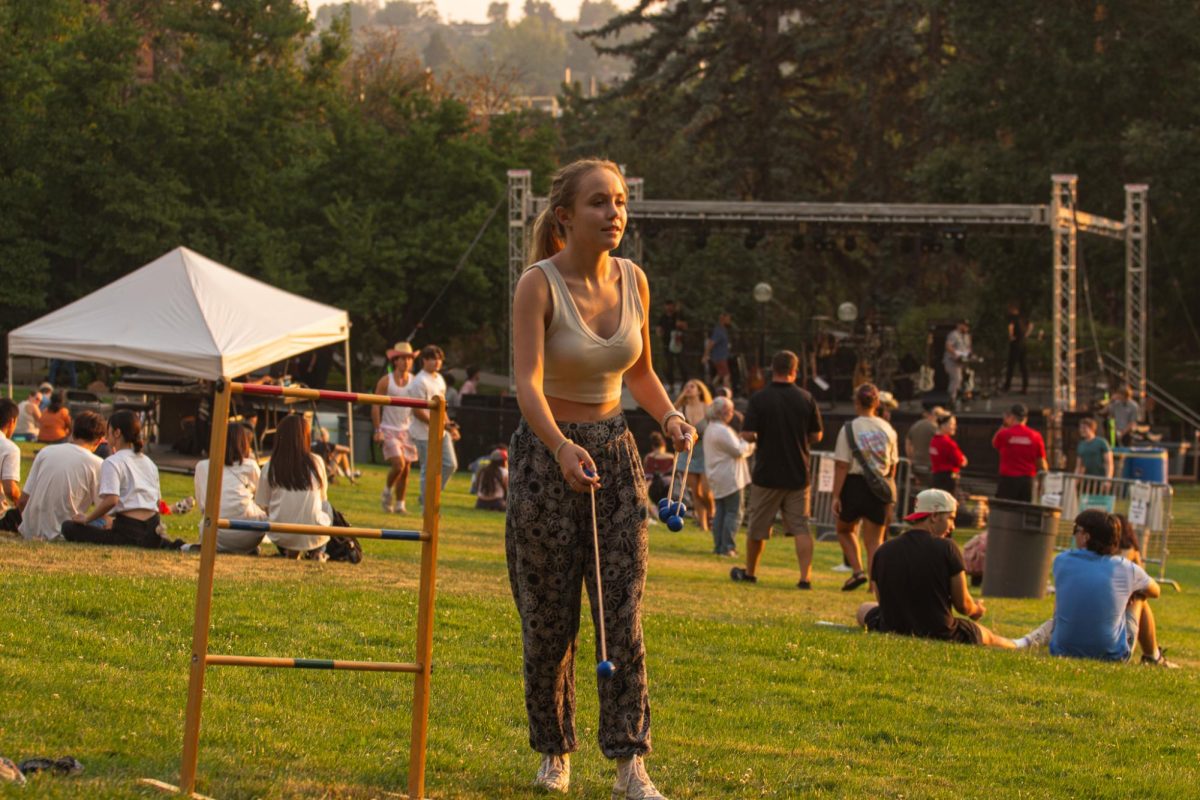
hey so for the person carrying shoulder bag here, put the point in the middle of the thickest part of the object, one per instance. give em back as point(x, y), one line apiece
point(865, 459)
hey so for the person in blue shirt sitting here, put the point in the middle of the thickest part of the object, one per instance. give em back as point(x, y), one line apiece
point(1101, 601)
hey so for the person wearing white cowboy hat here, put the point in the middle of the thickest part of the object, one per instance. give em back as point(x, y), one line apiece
point(919, 581)
point(391, 427)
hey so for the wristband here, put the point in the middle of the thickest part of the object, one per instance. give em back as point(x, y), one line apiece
point(674, 412)
point(561, 445)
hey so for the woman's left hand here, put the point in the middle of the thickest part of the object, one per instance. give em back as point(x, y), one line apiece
point(683, 435)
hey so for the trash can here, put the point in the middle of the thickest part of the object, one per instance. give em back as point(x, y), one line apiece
point(1147, 464)
point(1020, 548)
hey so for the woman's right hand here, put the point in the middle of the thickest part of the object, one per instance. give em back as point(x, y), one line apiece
point(577, 467)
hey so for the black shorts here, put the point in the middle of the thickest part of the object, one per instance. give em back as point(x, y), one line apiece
point(1015, 487)
point(858, 502)
point(946, 481)
point(966, 631)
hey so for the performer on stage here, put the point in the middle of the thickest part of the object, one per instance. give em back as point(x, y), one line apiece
point(579, 329)
point(958, 352)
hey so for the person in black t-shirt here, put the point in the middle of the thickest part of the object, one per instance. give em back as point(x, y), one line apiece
point(1019, 329)
point(784, 421)
point(919, 577)
point(670, 328)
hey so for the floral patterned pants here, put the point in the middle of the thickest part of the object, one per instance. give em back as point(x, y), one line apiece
point(548, 542)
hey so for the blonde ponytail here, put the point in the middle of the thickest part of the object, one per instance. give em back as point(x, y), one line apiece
point(548, 236)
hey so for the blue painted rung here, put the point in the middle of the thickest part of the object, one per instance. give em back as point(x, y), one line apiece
point(249, 525)
point(405, 536)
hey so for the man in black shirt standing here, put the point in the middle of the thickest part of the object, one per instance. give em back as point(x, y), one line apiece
point(1019, 329)
point(670, 329)
point(919, 577)
point(784, 421)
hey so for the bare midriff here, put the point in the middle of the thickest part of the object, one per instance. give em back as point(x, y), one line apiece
point(571, 411)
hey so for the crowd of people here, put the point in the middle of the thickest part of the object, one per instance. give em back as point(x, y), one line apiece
point(577, 495)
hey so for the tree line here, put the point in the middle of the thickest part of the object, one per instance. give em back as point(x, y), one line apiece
point(335, 161)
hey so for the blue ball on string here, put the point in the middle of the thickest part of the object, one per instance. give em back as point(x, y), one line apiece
point(675, 524)
point(605, 669)
point(664, 513)
point(663, 503)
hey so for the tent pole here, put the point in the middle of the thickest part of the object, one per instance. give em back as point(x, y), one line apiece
point(349, 405)
point(10, 394)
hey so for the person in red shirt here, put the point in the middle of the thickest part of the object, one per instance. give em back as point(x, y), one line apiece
point(945, 457)
point(1022, 454)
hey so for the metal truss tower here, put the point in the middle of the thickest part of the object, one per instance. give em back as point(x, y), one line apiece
point(520, 190)
point(1136, 287)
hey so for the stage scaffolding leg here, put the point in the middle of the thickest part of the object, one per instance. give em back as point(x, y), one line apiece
point(204, 589)
point(520, 183)
point(432, 512)
point(349, 405)
point(1136, 287)
point(1063, 204)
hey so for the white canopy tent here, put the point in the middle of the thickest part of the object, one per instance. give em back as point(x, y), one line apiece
point(185, 314)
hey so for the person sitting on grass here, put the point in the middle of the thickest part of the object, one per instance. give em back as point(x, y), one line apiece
point(129, 489)
point(10, 463)
point(1101, 600)
point(293, 490)
point(54, 425)
point(64, 481)
point(493, 483)
point(918, 577)
point(239, 483)
point(337, 457)
point(29, 417)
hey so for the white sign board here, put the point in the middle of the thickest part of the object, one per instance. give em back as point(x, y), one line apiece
point(1052, 489)
point(1139, 504)
point(825, 475)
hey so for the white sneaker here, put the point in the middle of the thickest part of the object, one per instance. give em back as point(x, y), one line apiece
point(400, 509)
point(385, 500)
point(841, 568)
point(555, 773)
point(632, 781)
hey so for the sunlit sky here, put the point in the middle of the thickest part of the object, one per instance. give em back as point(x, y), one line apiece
point(476, 10)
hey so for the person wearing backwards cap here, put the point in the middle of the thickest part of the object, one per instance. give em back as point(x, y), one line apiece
point(919, 581)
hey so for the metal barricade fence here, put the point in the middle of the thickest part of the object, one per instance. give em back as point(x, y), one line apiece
point(1147, 506)
point(821, 469)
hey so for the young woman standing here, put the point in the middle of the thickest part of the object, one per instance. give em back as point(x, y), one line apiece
point(579, 330)
point(693, 402)
point(946, 458)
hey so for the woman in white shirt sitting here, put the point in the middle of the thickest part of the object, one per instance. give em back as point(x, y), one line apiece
point(493, 483)
point(239, 482)
point(725, 464)
point(293, 490)
point(129, 489)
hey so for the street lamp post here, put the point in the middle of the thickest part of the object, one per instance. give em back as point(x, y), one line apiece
point(762, 295)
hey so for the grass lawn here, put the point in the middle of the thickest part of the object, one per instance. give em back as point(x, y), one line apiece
point(751, 698)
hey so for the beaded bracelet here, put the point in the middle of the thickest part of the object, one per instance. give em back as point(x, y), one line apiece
point(674, 412)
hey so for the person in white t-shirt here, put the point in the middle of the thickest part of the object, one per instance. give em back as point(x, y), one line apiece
point(854, 500)
point(129, 489)
point(239, 482)
point(726, 462)
point(293, 489)
point(29, 418)
point(10, 457)
point(493, 483)
point(426, 385)
point(63, 481)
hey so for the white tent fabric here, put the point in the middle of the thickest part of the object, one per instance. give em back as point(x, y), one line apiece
point(184, 314)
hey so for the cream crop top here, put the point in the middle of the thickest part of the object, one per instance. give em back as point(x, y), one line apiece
point(579, 365)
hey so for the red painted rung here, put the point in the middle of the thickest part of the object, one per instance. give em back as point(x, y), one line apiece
point(325, 394)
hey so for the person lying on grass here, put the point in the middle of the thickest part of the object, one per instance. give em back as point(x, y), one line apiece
point(1101, 600)
point(918, 577)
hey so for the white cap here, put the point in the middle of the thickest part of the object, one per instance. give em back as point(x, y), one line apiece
point(932, 501)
